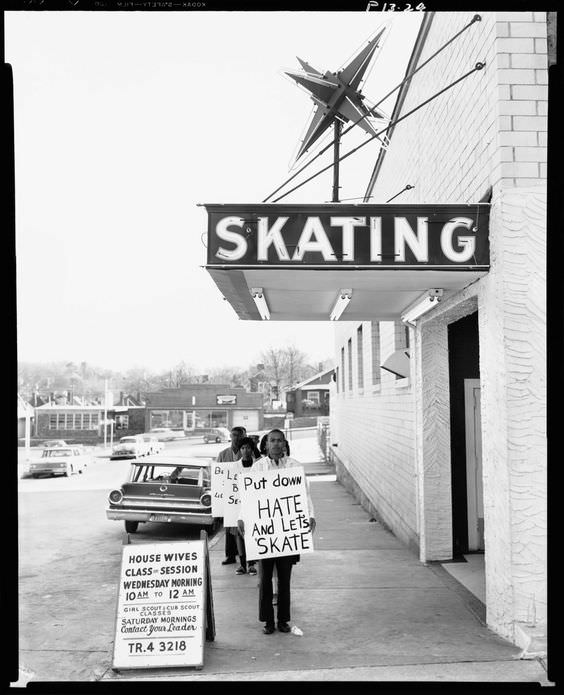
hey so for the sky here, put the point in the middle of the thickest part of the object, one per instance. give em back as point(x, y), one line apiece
point(125, 123)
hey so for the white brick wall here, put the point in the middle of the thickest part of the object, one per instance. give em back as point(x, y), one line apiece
point(465, 129)
point(374, 430)
point(488, 131)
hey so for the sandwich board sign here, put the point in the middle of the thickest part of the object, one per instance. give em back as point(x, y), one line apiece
point(274, 509)
point(165, 608)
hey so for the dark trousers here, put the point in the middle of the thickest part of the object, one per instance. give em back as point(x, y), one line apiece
point(242, 552)
point(230, 545)
point(284, 572)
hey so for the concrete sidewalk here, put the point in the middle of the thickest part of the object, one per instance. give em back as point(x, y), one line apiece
point(368, 610)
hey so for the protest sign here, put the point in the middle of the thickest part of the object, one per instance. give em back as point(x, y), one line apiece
point(160, 619)
point(217, 488)
point(231, 498)
point(275, 511)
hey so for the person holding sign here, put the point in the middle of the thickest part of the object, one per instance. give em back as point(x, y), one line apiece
point(249, 454)
point(230, 454)
point(276, 459)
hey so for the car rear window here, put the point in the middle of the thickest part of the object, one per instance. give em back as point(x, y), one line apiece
point(57, 453)
point(182, 475)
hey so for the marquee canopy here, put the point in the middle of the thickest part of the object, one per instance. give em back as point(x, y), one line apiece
point(294, 262)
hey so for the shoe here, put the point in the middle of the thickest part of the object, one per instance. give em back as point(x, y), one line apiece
point(284, 627)
point(268, 629)
point(252, 570)
point(240, 570)
point(229, 561)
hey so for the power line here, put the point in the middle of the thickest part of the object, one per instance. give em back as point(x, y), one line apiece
point(476, 18)
point(478, 66)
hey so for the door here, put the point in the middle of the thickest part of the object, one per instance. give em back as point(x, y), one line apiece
point(249, 419)
point(474, 484)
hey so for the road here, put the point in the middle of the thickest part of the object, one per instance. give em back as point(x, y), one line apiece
point(69, 561)
point(69, 557)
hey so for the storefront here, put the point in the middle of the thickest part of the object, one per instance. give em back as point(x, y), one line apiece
point(439, 308)
point(198, 407)
point(85, 424)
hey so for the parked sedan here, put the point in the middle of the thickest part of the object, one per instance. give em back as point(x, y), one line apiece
point(173, 489)
point(59, 461)
point(163, 434)
point(217, 434)
point(54, 442)
point(129, 447)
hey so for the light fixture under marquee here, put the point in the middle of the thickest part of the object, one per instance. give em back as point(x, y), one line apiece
point(424, 304)
point(258, 295)
point(341, 304)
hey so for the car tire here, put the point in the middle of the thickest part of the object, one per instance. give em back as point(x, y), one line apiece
point(218, 439)
point(131, 526)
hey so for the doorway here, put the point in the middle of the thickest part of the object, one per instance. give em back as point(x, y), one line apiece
point(465, 434)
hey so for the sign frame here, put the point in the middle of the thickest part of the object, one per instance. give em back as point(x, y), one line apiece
point(237, 232)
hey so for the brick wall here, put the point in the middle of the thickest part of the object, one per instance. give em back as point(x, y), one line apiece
point(488, 130)
point(373, 427)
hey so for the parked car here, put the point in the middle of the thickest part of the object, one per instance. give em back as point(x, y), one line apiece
point(131, 446)
point(154, 446)
point(54, 442)
point(59, 460)
point(163, 434)
point(173, 489)
point(217, 434)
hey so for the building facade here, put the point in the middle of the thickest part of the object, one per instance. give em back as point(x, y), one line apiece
point(197, 407)
point(85, 424)
point(311, 397)
point(456, 460)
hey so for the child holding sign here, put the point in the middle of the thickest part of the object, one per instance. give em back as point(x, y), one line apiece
point(279, 556)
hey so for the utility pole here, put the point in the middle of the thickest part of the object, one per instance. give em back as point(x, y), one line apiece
point(336, 148)
point(105, 411)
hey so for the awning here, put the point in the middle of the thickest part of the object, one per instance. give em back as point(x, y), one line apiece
point(309, 295)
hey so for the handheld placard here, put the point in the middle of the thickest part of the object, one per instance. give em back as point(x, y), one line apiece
point(217, 488)
point(274, 509)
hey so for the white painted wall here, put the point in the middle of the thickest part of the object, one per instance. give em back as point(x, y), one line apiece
point(394, 439)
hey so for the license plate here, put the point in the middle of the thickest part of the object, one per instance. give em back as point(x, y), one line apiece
point(159, 517)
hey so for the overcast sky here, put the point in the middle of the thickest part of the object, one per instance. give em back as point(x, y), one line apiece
point(124, 122)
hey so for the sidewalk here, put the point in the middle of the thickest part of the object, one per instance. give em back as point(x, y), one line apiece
point(369, 611)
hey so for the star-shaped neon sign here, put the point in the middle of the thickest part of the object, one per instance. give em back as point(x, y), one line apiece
point(337, 95)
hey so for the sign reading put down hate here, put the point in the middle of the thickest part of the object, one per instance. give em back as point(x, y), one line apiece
point(160, 618)
point(274, 509)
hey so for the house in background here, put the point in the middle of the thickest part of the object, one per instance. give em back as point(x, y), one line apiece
point(311, 396)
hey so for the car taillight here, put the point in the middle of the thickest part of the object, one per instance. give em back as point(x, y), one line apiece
point(205, 500)
point(116, 496)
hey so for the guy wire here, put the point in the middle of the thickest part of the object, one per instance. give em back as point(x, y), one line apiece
point(478, 66)
point(476, 18)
